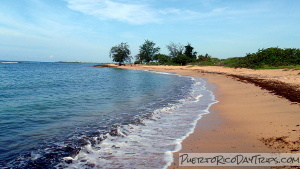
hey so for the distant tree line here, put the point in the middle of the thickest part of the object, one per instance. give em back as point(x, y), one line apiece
point(149, 54)
point(182, 55)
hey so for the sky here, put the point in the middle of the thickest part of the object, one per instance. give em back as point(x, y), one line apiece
point(85, 30)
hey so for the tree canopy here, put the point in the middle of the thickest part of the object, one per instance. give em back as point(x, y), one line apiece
point(181, 60)
point(175, 49)
point(162, 58)
point(148, 51)
point(273, 57)
point(189, 52)
point(120, 53)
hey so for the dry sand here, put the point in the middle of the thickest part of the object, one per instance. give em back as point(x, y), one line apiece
point(247, 119)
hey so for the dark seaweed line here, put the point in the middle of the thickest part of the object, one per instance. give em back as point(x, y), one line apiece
point(288, 91)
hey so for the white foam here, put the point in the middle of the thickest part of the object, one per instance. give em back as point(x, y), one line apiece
point(150, 145)
point(198, 83)
point(35, 156)
point(162, 73)
point(9, 62)
point(197, 98)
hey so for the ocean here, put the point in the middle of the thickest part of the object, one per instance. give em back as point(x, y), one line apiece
point(73, 115)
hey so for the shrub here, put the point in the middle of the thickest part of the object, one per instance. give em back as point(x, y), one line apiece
point(138, 62)
point(270, 57)
point(181, 60)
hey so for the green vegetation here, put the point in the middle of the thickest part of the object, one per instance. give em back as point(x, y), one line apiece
point(207, 60)
point(270, 58)
point(147, 51)
point(181, 60)
point(286, 68)
point(175, 49)
point(189, 52)
point(162, 59)
point(120, 53)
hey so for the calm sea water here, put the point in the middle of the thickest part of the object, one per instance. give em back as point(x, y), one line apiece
point(66, 115)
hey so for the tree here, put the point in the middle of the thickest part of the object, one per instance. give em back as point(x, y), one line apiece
point(120, 53)
point(138, 59)
point(189, 52)
point(148, 51)
point(175, 49)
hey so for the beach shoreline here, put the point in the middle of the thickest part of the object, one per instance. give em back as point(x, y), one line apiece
point(247, 119)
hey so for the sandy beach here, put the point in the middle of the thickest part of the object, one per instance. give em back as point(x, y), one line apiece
point(247, 118)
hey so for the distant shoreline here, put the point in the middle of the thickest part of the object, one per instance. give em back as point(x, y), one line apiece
point(247, 119)
point(279, 86)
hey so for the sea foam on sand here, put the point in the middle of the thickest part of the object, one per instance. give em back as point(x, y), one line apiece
point(150, 144)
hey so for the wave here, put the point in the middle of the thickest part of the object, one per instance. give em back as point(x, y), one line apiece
point(9, 62)
point(146, 141)
point(150, 143)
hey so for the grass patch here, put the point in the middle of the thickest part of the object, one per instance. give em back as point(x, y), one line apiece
point(286, 68)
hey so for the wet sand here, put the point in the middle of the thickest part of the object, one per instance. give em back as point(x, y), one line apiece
point(249, 117)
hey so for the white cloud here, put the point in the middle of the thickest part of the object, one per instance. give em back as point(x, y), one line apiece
point(183, 14)
point(135, 13)
point(141, 12)
point(38, 24)
point(107, 9)
point(172, 11)
point(219, 10)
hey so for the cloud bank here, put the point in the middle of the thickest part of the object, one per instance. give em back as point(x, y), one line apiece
point(134, 13)
point(110, 10)
point(139, 13)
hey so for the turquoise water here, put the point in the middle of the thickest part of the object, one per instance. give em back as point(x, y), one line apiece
point(68, 115)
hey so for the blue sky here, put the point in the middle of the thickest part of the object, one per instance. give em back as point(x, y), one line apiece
point(85, 30)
